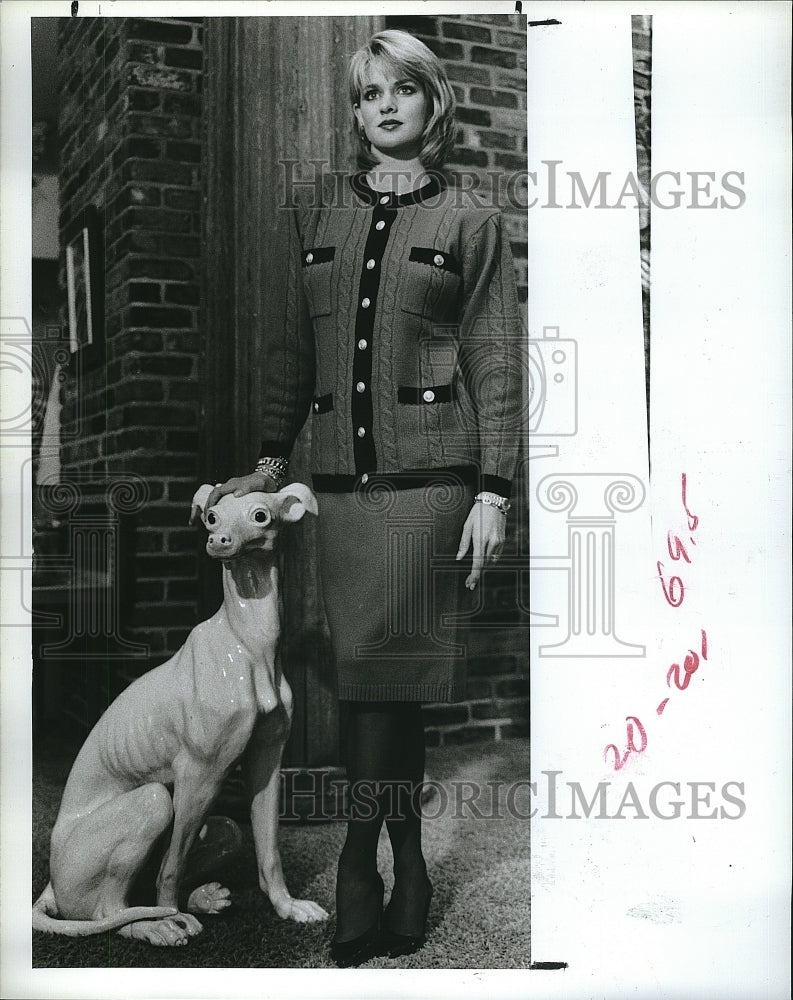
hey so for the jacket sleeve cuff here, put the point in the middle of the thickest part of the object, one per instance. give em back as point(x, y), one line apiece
point(495, 484)
point(275, 449)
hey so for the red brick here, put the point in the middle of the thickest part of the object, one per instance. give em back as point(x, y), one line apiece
point(180, 198)
point(181, 104)
point(142, 414)
point(182, 246)
point(185, 390)
point(511, 39)
point(161, 78)
point(173, 270)
point(185, 441)
point(166, 173)
point(183, 294)
point(156, 219)
point(143, 291)
point(446, 50)
point(189, 540)
point(189, 152)
point(469, 157)
point(413, 24)
point(138, 390)
point(466, 32)
point(498, 140)
point(147, 29)
point(492, 665)
point(149, 541)
point(149, 591)
point(184, 58)
point(445, 715)
point(464, 73)
point(494, 98)
point(473, 116)
point(141, 100)
point(469, 734)
point(477, 689)
point(135, 439)
point(167, 126)
point(158, 316)
point(157, 365)
point(494, 57)
point(184, 342)
point(143, 53)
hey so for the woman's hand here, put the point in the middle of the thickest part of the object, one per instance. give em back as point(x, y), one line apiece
point(254, 482)
point(485, 526)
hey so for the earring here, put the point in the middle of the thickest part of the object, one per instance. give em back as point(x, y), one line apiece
point(362, 135)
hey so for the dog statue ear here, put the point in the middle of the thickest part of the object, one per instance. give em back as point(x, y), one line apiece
point(199, 501)
point(305, 501)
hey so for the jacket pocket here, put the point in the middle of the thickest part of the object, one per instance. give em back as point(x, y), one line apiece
point(322, 404)
point(317, 268)
point(432, 283)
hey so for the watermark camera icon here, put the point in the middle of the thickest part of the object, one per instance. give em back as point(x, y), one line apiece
point(553, 385)
point(29, 367)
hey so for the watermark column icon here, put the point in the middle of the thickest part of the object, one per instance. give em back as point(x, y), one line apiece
point(592, 501)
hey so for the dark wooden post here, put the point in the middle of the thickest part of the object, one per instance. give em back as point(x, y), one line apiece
point(275, 92)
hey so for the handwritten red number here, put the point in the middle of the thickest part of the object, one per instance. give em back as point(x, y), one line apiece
point(693, 520)
point(675, 592)
point(678, 550)
point(621, 759)
point(690, 666)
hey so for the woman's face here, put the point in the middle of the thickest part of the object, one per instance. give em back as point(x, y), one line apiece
point(393, 112)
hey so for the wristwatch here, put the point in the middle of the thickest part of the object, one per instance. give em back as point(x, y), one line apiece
point(494, 500)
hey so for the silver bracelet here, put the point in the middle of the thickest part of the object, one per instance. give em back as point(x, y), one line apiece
point(274, 467)
point(493, 500)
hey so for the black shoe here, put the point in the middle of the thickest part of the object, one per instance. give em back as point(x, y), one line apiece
point(351, 954)
point(395, 945)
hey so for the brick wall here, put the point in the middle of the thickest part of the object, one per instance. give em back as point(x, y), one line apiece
point(130, 129)
point(485, 58)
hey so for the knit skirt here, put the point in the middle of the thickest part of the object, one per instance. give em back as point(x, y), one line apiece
point(394, 595)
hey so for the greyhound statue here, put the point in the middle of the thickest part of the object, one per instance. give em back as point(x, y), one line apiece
point(157, 758)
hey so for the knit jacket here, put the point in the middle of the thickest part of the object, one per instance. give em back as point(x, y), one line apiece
point(402, 339)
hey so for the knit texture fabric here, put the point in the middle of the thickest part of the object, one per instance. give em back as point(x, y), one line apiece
point(390, 296)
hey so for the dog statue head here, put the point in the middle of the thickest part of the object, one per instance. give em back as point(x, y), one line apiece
point(251, 522)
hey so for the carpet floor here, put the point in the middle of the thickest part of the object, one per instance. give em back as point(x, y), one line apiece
point(477, 856)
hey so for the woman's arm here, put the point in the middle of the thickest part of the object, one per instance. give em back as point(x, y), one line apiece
point(492, 354)
point(286, 357)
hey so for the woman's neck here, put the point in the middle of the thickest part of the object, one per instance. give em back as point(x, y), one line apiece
point(399, 176)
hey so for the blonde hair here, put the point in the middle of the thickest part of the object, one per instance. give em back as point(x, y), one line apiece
point(403, 55)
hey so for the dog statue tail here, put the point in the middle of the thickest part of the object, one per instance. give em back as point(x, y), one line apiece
point(45, 917)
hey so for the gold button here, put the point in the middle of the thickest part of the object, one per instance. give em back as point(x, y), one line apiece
point(429, 396)
point(365, 478)
point(385, 199)
point(370, 264)
point(316, 407)
point(438, 258)
point(365, 303)
point(362, 344)
point(380, 225)
point(361, 386)
point(309, 258)
point(361, 432)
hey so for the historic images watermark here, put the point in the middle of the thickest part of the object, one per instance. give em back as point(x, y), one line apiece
point(317, 795)
point(88, 509)
point(546, 415)
point(313, 183)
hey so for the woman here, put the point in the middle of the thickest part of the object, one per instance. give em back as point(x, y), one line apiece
point(402, 338)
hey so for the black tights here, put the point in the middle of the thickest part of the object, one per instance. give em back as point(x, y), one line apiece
point(384, 756)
